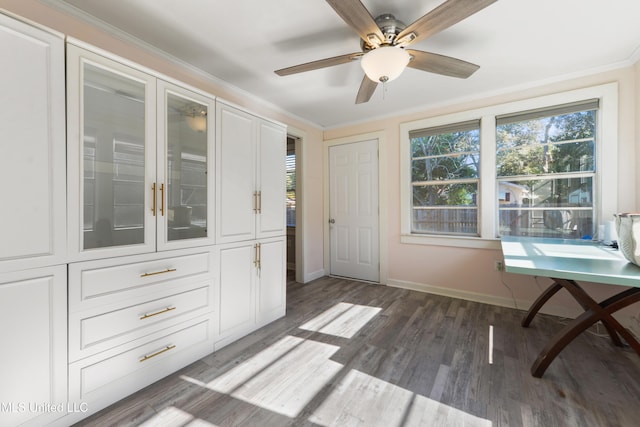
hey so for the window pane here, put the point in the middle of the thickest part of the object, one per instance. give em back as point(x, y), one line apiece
point(291, 189)
point(548, 146)
point(547, 207)
point(445, 195)
point(444, 173)
point(445, 221)
point(555, 144)
point(445, 168)
point(443, 144)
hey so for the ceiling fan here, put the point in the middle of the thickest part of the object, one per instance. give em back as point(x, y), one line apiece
point(384, 40)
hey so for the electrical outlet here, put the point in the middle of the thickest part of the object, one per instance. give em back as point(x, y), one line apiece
point(498, 266)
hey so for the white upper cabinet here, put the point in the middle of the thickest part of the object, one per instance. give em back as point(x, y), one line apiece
point(250, 176)
point(138, 166)
point(272, 180)
point(32, 161)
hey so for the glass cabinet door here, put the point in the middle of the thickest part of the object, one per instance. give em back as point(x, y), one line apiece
point(185, 187)
point(111, 153)
point(113, 159)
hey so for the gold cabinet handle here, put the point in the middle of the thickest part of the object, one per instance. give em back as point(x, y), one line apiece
point(168, 270)
point(255, 202)
point(259, 201)
point(157, 353)
point(257, 261)
point(162, 199)
point(255, 255)
point(166, 310)
point(155, 198)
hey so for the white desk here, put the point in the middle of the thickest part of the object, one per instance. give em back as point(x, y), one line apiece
point(568, 261)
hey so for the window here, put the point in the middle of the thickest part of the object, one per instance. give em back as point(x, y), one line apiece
point(291, 182)
point(444, 178)
point(543, 167)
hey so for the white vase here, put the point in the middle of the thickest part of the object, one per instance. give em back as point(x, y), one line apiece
point(628, 229)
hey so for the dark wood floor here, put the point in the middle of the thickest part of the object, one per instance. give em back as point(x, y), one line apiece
point(350, 353)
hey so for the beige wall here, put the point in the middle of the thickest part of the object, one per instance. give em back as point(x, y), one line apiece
point(470, 272)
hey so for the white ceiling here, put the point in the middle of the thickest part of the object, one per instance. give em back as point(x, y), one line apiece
point(517, 43)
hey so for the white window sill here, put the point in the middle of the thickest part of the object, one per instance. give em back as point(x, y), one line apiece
point(453, 241)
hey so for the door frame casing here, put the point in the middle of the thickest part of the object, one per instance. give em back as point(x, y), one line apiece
point(382, 198)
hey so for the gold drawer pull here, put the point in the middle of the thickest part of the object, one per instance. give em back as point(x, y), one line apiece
point(157, 353)
point(146, 316)
point(168, 270)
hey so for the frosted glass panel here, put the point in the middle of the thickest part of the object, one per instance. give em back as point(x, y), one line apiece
point(187, 168)
point(113, 159)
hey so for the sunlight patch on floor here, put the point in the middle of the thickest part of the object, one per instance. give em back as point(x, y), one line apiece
point(174, 417)
point(364, 400)
point(490, 344)
point(282, 378)
point(342, 320)
point(286, 376)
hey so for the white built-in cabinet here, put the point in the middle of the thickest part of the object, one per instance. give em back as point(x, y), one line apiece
point(153, 237)
point(135, 319)
point(33, 276)
point(250, 221)
point(32, 147)
point(250, 176)
point(33, 332)
point(140, 160)
point(252, 277)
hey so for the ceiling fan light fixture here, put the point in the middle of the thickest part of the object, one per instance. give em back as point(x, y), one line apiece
point(385, 63)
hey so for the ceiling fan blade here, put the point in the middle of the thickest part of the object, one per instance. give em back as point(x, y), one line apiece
point(322, 63)
point(367, 87)
point(357, 17)
point(440, 64)
point(442, 17)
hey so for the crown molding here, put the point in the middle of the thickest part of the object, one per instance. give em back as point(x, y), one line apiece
point(85, 17)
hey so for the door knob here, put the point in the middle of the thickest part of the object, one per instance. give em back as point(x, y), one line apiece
point(332, 221)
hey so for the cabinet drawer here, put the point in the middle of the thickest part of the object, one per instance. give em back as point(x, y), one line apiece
point(112, 374)
point(96, 283)
point(91, 334)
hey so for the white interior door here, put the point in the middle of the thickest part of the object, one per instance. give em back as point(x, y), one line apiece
point(353, 210)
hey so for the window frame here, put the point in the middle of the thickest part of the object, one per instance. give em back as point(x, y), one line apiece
point(473, 125)
point(605, 162)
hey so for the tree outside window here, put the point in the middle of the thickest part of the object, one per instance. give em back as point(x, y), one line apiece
point(444, 179)
point(545, 166)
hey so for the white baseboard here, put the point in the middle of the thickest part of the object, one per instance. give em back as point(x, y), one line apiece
point(313, 276)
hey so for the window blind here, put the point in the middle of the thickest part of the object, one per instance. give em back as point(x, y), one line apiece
point(559, 110)
point(451, 128)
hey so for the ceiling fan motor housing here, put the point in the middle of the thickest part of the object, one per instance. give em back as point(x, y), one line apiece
point(390, 27)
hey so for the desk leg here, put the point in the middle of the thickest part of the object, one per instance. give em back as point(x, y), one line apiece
point(589, 303)
point(537, 305)
point(579, 295)
point(583, 322)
